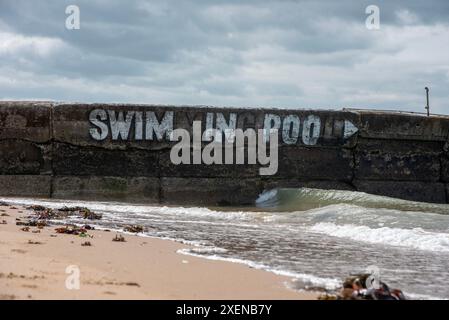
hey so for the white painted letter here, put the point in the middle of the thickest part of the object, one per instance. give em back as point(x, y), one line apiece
point(290, 136)
point(272, 121)
point(102, 130)
point(209, 127)
point(311, 130)
point(165, 127)
point(227, 128)
point(120, 127)
point(138, 128)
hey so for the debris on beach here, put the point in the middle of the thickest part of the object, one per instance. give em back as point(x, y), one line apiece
point(134, 228)
point(84, 213)
point(65, 230)
point(355, 288)
point(70, 209)
point(31, 223)
point(328, 296)
point(91, 215)
point(19, 251)
point(36, 208)
point(43, 213)
point(5, 204)
point(13, 208)
point(25, 229)
point(88, 227)
point(34, 242)
point(41, 224)
point(47, 213)
point(119, 238)
point(3, 222)
point(132, 284)
point(114, 283)
point(71, 229)
point(86, 244)
point(5, 215)
point(19, 276)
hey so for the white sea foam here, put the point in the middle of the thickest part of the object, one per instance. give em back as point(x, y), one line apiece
point(411, 238)
point(414, 296)
point(328, 283)
point(209, 250)
point(112, 207)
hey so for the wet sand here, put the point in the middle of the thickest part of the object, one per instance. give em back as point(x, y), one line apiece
point(33, 266)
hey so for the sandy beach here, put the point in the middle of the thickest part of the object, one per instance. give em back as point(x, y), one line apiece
point(33, 265)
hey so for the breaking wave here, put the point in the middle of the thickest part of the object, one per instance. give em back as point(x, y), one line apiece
point(415, 238)
point(306, 198)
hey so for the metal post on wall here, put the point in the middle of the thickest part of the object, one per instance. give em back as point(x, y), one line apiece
point(427, 97)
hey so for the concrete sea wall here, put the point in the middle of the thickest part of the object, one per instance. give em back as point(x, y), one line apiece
point(122, 152)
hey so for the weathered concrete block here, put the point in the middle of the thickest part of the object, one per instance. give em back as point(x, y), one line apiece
point(20, 157)
point(315, 163)
point(210, 191)
point(409, 190)
point(403, 126)
point(168, 169)
point(25, 121)
point(143, 189)
point(298, 162)
point(398, 160)
point(74, 160)
point(445, 168)
point(25, 185)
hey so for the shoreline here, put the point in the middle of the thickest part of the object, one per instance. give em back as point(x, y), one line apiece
point(33, 265)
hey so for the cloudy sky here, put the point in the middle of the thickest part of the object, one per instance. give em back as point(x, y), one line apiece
point(284, 53)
